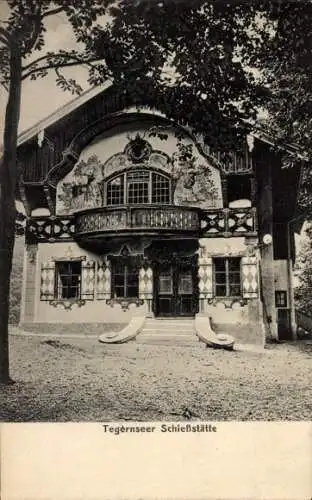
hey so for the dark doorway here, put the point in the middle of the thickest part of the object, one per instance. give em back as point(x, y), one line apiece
point(175, 289)
point(283, 315)
point(283, 324)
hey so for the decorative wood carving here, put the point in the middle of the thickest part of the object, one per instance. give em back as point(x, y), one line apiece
point(50, 228)
point(229, 222)
point(144, 220)
point(67, 304)
point(228, 301)
point(167, 218)
point(125, 302)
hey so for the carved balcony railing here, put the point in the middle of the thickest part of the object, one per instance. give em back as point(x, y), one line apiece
point(229, 222)
point(152, 220)
point(48, 228)
point(138, 219)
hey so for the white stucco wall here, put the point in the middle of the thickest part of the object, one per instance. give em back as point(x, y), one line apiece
point(223, 311)
point(114, 141)
point(94, 311)
point(224, 247)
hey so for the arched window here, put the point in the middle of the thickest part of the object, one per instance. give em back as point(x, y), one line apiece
point(138, 187)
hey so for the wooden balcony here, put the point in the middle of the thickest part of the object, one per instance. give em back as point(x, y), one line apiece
point(229, 222)
point(138, 219)
point(166, 220)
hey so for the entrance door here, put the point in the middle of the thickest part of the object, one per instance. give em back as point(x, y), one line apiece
point(283, 315)
point(283, 324)
point(175, 290)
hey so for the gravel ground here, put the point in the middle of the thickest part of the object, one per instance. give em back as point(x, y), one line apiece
point(83, 380)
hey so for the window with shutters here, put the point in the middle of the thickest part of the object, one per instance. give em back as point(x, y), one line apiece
point(227, 276)
point(138, 187)
point(125, 279)
point(68, 280)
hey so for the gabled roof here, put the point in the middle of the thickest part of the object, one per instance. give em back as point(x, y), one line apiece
point(258, 133)
point(60, 113)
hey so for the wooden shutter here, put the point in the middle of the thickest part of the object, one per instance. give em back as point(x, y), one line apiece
point(205, 281)
point(250, 283)
point(146, 283)
point(47, 285)
point(103, 281)
point(87, 279)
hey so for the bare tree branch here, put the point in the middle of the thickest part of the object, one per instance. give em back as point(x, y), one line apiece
point(52, 12)
point(75, 62)
point(5, 37)
point(4, 84)
point(61, 56)
point(4, 41)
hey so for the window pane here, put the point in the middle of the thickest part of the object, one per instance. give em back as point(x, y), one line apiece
point(234, 278)
point(220, 278)
point(68, 280)
point(119, 280)
point(115, 191)
point(132, 291)
point(227, 277)
point(160, 189)
point(125, 279)
point(234, 264)
point(119, 291)
point(165, 282)
point(137, 192)
point(220, 290)
point(132, 280)
point(185, 283)
point(138, 176)
point(235, 290)
point(219, 264)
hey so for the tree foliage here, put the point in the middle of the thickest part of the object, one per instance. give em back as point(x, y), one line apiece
point(25, 29)
point(303, 290)
point(190, 59)
point(21, 40)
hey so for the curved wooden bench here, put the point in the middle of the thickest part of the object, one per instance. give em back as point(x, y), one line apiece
point(128, 333)
point(206, 334)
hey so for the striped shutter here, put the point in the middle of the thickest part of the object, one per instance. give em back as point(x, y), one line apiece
point(87, 279)
point(146, 283)
point(47, 284)
point(103, 281)
point(205, 280)
point(250, 277)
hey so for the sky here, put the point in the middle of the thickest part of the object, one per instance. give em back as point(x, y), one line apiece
point(42, 97)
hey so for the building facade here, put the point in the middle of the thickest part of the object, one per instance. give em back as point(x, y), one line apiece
point(120, 225)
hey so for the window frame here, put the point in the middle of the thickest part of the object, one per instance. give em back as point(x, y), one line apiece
point(153, 175)
point(281, 301)
point(126, 264)
point(59, 287)
point(228, 283)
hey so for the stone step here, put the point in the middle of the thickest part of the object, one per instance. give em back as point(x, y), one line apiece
point(171, 325)
point(154, 333)
point(183, 340)
point(166, 329)
point(181, 319)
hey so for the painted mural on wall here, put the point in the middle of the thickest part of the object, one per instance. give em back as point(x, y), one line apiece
point(196, 188)
point(83, 189)
point(195, 183)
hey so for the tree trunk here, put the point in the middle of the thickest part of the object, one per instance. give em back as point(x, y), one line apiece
point(8, 182)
